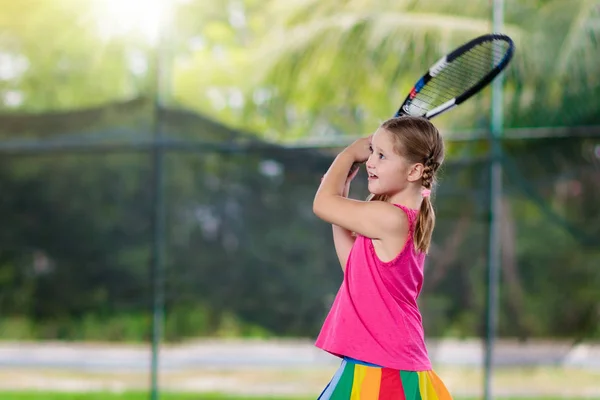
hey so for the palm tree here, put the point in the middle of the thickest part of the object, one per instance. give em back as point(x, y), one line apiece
point(341, 67)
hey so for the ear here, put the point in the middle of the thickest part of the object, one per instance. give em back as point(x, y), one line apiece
point(415, 172)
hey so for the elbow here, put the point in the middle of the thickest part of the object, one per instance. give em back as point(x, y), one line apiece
point(323, 207)
point(317, 206)
point(320, 206)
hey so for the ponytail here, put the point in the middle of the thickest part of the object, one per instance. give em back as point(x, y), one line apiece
point(425, 222)
point(418, 141)
point(424, 226)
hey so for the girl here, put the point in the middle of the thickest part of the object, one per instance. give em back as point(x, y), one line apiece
point(375, 324)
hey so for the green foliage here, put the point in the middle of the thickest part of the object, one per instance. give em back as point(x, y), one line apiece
point(334, 68)
point(58, 57)
point(245, 254)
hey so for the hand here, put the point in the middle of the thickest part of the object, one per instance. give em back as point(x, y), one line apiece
point(349, 179)
point(360, 150)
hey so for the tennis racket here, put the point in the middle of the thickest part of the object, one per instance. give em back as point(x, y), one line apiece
point(457, 76)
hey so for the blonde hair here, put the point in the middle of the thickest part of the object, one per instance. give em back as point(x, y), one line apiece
point(419, 141)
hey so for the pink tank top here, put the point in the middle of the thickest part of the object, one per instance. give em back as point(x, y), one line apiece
point(375, 317)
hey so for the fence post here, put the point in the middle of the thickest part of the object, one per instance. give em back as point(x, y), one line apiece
point(157, 259)
point(495, 196)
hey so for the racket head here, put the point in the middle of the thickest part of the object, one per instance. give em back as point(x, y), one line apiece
point(458, 76)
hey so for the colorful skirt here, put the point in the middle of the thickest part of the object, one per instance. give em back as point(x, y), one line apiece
point(356, 380)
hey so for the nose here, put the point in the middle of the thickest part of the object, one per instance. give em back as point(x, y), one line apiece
point(370, 163)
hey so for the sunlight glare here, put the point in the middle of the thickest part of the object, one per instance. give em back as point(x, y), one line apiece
point(125, 17)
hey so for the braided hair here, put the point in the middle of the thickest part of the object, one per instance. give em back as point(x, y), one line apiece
point(419, 141)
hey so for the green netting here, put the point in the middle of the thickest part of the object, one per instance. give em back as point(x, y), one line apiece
point(245, 255)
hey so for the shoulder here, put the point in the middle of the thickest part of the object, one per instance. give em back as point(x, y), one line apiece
point(374, 219)
point(395, 216)
point(393, 219)
point(410, 214)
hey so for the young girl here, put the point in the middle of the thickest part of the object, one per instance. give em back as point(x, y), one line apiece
point(375, 324)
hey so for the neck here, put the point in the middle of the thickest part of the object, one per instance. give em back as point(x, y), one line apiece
point(409, 197)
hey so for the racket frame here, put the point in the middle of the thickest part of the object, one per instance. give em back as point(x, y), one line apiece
point(448, 59)
point(437, 67)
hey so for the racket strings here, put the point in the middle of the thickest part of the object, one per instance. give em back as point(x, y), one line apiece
point(479, 59)
point(483, 65)
point(460, 75)
point(470, 67)
point(447, 85)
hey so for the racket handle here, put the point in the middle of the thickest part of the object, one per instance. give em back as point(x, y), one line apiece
point(354, 167)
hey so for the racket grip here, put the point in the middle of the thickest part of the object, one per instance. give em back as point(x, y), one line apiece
point(354, 167)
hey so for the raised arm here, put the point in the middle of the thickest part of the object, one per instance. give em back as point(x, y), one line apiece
point(375, 220)
point(343, 239)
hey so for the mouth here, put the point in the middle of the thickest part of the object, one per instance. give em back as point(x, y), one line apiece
point(372, 177)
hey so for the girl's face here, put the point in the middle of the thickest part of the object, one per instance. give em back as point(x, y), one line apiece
point(389, 172)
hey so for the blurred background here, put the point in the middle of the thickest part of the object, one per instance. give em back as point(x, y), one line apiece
point(158, 161)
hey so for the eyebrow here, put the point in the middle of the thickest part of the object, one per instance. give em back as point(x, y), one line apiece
point(375, 147)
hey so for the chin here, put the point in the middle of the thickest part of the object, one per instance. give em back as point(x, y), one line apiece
point(375, 189)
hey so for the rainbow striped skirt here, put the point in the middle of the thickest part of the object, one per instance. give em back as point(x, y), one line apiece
point(356, 380)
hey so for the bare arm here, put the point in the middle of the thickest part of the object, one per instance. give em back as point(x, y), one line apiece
point(343, 241)
point(376, 220)
point(342, 237)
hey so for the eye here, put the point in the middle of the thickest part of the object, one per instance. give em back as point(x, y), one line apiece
point(370, 149)
point(381, 156)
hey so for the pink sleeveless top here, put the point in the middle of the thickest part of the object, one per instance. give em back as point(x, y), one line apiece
point(375, 317)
